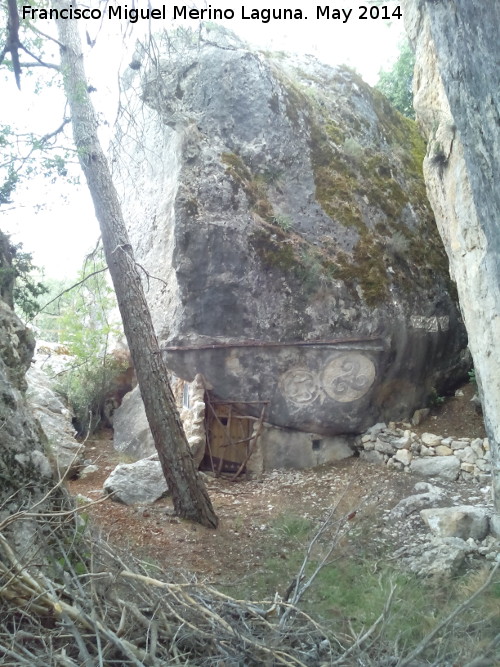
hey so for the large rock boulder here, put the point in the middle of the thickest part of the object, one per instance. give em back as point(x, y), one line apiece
point(282, 206)
point(428, 496)
point(132, 435)
point(439, 558)
point(456, 86)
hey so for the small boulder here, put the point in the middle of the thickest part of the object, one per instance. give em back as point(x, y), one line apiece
point(440, 559)
point(87, 471)
point(419, 416)
point(445, 467)
point(384, 447)
point(469, 455)
point(404, 456)
point(477, 447)
point(464, 521)
point(372, 457)
point(427, 496)
point(430, 439)
point(376, 429)
point(139, 482)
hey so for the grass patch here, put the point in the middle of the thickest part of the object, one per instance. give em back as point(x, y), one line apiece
point(351, 592)
point(291, 526)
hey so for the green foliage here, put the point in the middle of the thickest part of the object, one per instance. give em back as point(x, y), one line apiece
point(8, 185)
point(27, 288)
point(84, 320)
point(19, 286)
point(396, 83)
point(284, 221)
point(472, 376)
point(23, 153)
point(435, 400)
point(26, 155)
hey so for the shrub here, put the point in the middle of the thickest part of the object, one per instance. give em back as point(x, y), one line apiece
point(85, 320)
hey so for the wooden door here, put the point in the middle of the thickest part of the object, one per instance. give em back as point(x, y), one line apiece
point(228, 437)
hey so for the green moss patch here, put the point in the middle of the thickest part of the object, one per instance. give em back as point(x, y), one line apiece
point(254, 187)
point(362, 185)
point(274, 253)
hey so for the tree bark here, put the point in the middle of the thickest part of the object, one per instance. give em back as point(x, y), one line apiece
point(190, 498)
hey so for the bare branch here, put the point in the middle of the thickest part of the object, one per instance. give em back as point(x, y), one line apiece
point(45, 35)
point(80, 282)
point(39, 62)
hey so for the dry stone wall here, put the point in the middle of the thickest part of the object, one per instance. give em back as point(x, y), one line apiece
point(428, 454)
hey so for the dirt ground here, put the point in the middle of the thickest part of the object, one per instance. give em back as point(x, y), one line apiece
point(258, 516)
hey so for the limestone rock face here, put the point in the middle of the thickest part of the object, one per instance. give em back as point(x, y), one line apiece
point(457, 101)
point(25, 472)
point(55, 419)
point(281, 204)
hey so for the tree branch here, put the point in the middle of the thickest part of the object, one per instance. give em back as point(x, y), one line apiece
point(80, 282)
point(44, 34)
point(13, 44)
point(39, 62)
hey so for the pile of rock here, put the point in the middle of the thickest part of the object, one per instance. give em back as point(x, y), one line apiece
point(428, 454)
point(458, 533)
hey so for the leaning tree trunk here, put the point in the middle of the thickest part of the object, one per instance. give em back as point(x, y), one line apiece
point(189, 494)
point(457, 101)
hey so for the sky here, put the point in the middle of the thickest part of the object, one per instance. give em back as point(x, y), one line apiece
point(55, 220)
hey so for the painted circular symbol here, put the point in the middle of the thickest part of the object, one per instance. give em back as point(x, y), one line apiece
point(299, 385)
point(348, 377)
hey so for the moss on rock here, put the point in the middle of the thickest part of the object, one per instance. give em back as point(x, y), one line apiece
point(368, 179)
point(254, 187)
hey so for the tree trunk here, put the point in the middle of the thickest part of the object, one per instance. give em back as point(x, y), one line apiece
point(456, 98)
point(189, 494)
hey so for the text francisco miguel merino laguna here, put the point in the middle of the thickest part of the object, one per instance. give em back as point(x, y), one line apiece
point(183, 12)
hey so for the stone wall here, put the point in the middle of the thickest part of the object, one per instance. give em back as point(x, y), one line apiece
point(428, 454)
